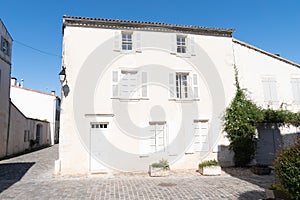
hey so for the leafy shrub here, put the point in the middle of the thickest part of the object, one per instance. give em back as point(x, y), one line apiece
point(209, 163)
point(161, 164)
point(240, 122)
point(287, 169)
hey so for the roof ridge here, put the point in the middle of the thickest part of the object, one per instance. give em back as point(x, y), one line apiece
point(265, 52)
point(111, 23)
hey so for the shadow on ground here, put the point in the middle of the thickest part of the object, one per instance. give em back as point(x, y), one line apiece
point(252, 195)
point(10, 173)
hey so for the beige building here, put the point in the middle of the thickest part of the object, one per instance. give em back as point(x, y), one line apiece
point(136, 92)
point(5, 70)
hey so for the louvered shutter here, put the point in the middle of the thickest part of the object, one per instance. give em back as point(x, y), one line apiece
point(192, 45)
point(266, 90)
point(115, 84)
point(273, 90)
point(137, 41)
point(173, 43)
point(117, 41)
point(172, 85)
point(144, 84)
point(195, 86)
point(296, 90)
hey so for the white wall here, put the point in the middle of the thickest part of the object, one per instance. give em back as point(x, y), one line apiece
point(18, 125)
point(36, 105)
point(89, 71)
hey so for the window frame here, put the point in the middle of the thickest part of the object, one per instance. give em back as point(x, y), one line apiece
point(181, 44)
point(126, 41)
point(181, 89)
point(99, 125)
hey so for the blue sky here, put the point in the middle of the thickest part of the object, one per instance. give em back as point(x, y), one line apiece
point(271, 25)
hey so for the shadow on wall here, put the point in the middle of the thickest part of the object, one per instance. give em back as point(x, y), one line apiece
point(254, 194)
point(10, 173)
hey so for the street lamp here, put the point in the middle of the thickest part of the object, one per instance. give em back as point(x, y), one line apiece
point(62, 75)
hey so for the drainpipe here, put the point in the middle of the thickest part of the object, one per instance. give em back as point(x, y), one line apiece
point(8, 127)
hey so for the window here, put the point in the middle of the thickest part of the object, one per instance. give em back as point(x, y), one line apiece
point(270, 90)
point(4, 46)
point(182, 85)
point(101, 125)
point(181, 44)
point(26, 135)
point(129, 84)
point(126, 41)
point(296, 90)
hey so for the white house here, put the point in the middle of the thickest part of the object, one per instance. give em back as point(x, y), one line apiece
point(37, 105)
point(5, 69)
point(136, 92)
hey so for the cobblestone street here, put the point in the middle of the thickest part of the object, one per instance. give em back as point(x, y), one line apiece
point(30, 177)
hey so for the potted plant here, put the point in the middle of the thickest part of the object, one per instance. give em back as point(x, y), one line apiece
point(161, 168)
point(210, 168)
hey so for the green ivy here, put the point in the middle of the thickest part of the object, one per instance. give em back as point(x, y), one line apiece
point(241, 119)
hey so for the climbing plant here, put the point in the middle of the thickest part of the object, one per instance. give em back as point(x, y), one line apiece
point(240, 122)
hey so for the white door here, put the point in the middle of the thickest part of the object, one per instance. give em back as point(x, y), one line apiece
point(98, 147)
point(201, 140)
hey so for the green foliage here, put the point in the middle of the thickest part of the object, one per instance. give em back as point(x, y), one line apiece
point(287, 169)
point(209, 163)
point(161, 164)
point(241, 119)
point(281, 117)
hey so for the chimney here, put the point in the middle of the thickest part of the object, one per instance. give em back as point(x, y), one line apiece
point(22, 83)
point(53, 92)
point(13, 81)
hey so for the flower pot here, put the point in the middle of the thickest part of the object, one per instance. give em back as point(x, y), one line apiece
point(158, 171)
point(210, 170)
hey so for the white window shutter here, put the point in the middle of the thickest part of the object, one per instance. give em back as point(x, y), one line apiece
point(173, 43)
point(117, 41)
point(266, 90)
point(195, 86)
point(144, 84)
point(137, 42)
point(296, 90)
point(172, 85)
point(115, 84)
point(273, 90)
point(192, 45)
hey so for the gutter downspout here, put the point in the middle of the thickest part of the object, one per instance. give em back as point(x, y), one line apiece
point(8, 127)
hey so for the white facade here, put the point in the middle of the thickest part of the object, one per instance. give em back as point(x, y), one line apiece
point(37, 105)
point(26, 133)
point(138, 92)
point(5, 68)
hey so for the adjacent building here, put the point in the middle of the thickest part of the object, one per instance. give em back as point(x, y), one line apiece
point(138, 92)
point(37, 105)
point(28, 119)
point(5, 70)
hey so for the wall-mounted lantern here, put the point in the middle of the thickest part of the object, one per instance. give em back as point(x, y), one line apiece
point(62, 75)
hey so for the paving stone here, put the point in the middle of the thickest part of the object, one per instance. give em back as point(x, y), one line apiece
point(30, 177)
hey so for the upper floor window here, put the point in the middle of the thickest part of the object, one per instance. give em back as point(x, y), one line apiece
point(270, 90)
point(127, 41)
point(181, 44)
point(183, 85)
point(129, 84)
point(4, 46)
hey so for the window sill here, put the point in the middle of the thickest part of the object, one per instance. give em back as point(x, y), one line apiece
point(183, 55)
point(129, 99)
point(184, 100)
point(128, 51)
